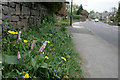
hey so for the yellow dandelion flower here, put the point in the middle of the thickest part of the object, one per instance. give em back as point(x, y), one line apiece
point(25, 41)
point(48, 41)
point(16, 32)
point(46, 57)
point(63, 58)
point(26, 75)
point(13, 32)
point(9, 31)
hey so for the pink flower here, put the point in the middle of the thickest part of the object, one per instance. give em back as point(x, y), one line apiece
point(18, 55)
point(19, 35)
point(43, 53)
point(32, 44)
point(43, 46)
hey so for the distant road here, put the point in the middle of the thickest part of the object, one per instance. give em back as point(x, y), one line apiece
point(105, 31)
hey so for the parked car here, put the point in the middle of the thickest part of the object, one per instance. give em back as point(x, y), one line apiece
point(96, 20)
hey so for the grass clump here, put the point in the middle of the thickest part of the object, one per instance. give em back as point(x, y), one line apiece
point(55, 59)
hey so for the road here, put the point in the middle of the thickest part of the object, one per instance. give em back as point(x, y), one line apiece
point(105, 31)
point(99, 54)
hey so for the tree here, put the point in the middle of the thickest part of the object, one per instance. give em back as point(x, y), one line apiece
point(68, 9)
point(79, 12)
point(118, 14)
point(105, 12)
point(75, 8)
point(92, 12)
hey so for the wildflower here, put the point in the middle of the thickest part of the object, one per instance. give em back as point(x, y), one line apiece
point(9, 31)
point(55, 70)
point(46, 57)
point(56, 75)
point(22, 76)
point(63, 58)
point(48, 41)
point(20, 73)
point(18, 55)
point(25, 41)
point(12, 32)
point(26, 75)
point(43, 53)
point(32, 44)
point(16, 32)
point(19, 35)
point(43, 46)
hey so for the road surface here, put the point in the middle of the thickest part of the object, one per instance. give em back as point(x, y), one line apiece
point(99, 56)
point(105, 31)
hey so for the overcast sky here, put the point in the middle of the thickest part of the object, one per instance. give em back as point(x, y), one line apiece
point(97, 5)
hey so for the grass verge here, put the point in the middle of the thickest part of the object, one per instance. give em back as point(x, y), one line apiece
point(58, 59)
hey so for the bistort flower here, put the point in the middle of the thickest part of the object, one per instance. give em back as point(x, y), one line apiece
point(43, 46)
point(18, 55)
point(19, 35)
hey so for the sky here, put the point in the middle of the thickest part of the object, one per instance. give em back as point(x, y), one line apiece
point(97, 5)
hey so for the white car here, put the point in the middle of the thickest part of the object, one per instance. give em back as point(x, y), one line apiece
point(96, 20)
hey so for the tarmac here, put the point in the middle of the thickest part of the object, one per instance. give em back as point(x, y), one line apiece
point(99, 58)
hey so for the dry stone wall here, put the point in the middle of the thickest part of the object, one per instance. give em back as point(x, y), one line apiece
point(22, 14)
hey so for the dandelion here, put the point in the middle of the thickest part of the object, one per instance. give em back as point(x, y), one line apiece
point(18, 55)
point(25, 41)
point(32, 44)
point(26, 75)
point(46, 57)
point(19, 35)
point(43, 46)
point(48, 41)
point(16, 32)
point(9, 31)
point(63, 58)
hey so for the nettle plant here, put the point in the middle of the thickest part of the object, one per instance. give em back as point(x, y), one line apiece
point(30, 54)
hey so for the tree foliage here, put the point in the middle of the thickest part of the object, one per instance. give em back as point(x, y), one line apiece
point(118, 14)
point(55, 7)
point(79, 12)
point(75, 8)
point(92, 12)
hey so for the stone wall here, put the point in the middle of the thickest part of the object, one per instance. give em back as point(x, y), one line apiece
point(22, 14)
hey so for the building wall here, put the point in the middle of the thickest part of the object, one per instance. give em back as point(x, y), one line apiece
point(22, 14)
point(62, 12)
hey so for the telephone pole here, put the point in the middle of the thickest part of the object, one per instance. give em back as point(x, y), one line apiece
point(71, 13)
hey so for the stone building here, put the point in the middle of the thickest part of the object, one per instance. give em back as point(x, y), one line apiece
point(23, 14)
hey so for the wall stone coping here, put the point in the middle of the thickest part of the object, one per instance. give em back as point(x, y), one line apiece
point(33, 0)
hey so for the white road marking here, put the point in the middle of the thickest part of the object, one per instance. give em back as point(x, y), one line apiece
point(78, 27)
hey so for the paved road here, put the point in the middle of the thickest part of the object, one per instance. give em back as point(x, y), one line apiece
point(99, 57)
point(105, 31)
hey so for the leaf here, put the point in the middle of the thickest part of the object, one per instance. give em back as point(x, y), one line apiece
point(9, 59)
point(44, 65)
point(33, 62)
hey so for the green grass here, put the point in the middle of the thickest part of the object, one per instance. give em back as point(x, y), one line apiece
point(75, 21)
point(33, 62)
point(65, 23)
